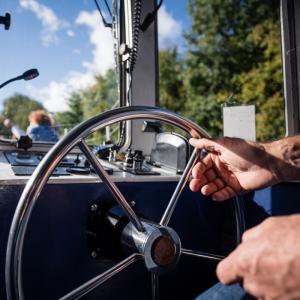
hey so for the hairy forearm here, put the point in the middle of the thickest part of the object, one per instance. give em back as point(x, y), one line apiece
point(284, 159)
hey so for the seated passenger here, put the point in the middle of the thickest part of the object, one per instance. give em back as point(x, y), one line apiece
point(39, 128)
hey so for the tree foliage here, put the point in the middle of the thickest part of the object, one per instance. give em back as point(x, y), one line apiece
point(172, 88)
point(89, 102)
point(74, 115)
point(233, 55)
point(262, 85)
point(101, 96)
point(17, 109)
point(98, 98)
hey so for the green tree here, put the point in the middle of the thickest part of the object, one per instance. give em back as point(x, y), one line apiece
point(74, 115)
point(17, 109)
point(98, 98)
point(262, 85)
point(101, 96)
point(90, 102)
point(229, 48)
point(171, 83)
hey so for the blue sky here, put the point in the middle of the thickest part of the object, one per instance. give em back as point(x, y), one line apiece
point(66, 41)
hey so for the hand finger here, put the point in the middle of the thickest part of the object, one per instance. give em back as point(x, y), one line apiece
point(204, 143)
point(202, 166)
point(206, 188)
point(212, 187)
point(210, 175)
point(223, 194)
point(250, 285)
point(251, 233)
point(197, 184)
point(229, 270)
point(208, 161)
point(256, 231)
point(198, 170)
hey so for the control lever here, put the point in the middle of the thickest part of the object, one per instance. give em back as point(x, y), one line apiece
point(138, 159)
point(134, 163)
point(77, 160)
point(102, 151)
point(22, 139)
point(24, 142)
point(129, 159)
point(151, 126)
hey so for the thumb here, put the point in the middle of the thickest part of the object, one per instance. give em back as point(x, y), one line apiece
point(204, 143)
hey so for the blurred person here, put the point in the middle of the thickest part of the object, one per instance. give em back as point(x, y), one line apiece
point(39, 128)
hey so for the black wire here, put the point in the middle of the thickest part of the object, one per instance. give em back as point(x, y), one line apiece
point(129, 89)
point(150, 17)
point(122, 135)
point(108, 8)
point(105, 23)
point(158, 7)
point(136, 21)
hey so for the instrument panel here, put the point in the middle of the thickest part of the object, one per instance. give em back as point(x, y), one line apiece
point(23, 163)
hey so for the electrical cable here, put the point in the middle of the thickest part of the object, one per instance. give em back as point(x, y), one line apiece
point(105, 23)
point(123, 125)
point(115, 34)
point(150, 17)
point(108, 8)
point(136, 21)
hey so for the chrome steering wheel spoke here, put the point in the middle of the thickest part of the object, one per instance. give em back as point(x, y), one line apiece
point(179, 188)
point(98, 280)
point(201, 255)
point(112, 187)
point(155, 286)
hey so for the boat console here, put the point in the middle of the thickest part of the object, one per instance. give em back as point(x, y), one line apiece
point(77, 220)
point(117, 220)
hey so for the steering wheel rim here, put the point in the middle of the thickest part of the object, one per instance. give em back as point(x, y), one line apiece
point(13, 272)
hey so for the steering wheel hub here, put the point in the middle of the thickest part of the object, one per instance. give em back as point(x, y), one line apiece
point(163, 251)
point(159, 245)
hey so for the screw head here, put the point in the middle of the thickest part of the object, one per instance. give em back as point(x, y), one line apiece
point(94, 207)
point(123, 49)
point(94, 254)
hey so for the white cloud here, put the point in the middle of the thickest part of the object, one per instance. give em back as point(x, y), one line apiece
point(51, 24)
point(54, 96)
point(76, 51)
point(70, 33)
point(169, 29)
point(101, 39)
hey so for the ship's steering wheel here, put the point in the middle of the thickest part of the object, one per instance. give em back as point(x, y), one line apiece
point(157, 244)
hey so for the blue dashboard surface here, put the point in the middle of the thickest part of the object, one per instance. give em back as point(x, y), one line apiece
point(56, 257)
